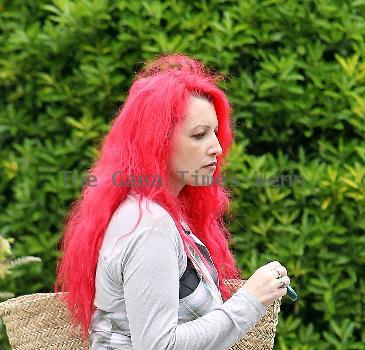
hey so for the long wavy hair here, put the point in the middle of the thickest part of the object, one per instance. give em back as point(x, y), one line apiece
point(139, 144)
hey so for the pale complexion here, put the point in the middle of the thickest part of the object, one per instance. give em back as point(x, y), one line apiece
point(194, 145)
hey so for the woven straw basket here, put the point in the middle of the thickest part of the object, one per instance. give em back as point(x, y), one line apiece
point(41, 321)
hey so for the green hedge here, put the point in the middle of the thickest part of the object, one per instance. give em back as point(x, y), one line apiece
point(296, 77)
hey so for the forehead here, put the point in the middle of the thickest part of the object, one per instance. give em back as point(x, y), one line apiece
point(199, 111)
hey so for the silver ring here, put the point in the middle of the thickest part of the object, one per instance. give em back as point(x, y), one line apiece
point(282, 284)
point(279, 274)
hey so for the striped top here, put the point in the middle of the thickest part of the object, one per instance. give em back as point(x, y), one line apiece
point(149, 295)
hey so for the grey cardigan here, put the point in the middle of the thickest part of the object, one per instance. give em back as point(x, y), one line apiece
point(137, 290)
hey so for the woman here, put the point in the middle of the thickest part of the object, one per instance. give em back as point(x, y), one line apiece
point(145, 249)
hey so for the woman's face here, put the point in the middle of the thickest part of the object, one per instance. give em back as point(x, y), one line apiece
point(194, 145)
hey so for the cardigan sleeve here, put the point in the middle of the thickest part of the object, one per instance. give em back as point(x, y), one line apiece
point(150, 277)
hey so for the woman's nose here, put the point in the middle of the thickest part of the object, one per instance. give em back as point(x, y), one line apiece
point(216, 149)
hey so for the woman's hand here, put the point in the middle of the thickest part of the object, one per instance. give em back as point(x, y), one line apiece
point(265, 285)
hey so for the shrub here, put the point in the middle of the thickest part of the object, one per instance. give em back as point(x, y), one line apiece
point(295, 77)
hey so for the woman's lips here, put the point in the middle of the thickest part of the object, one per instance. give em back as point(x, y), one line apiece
point(212, 167)
point(214, 163)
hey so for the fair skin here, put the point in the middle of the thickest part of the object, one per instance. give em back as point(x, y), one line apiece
point(195, 144)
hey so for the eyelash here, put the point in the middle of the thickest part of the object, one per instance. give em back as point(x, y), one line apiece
point(199, 136)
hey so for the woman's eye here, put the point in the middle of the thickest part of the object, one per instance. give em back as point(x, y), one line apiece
point(198, 136)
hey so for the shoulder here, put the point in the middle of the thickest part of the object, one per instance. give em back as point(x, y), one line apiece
point(125, 220)
point(119, 246)
point(153, 215)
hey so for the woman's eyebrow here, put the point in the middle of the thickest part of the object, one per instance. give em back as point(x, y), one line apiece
point(205, 126)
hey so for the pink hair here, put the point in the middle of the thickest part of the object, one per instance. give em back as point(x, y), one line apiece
point(138, 144)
